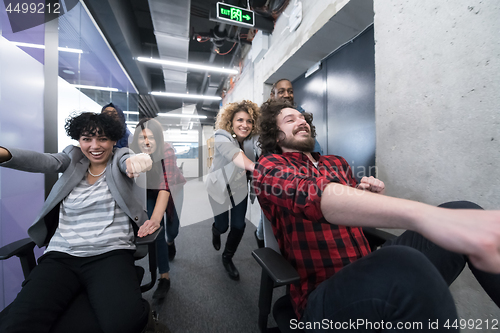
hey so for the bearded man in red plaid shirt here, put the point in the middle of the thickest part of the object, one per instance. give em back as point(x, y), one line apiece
point(317, 209)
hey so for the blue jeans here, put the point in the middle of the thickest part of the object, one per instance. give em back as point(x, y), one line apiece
point(171, 230)
point(161, 242)
point(173, 222)
point(237, 214)
point(403, 283)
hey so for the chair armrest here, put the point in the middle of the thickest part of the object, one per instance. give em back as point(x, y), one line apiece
point(147, 239)
point(23, 249)
point(377, 237)
point(18, 248)
point(276, 267)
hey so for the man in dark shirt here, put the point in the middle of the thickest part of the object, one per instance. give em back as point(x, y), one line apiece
point(317, 210)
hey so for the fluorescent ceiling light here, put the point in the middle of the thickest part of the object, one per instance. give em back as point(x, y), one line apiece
point(181, 115)
point(187, 65)
point(94, 87)
point(131, 112)
point(38, 46)
point(191, 96)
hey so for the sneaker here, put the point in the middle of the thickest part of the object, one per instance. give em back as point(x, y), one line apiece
point(171, 251)
point(163, 288)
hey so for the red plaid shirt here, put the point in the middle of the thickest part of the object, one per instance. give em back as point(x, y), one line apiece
point(173, 176)
point(289, 189)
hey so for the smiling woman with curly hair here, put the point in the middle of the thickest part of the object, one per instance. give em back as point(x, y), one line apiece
point(88, 223)
point(225, 117)
point(235, 154)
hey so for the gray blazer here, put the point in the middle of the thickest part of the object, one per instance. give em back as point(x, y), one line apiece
point(226, 147)
point(73, 164)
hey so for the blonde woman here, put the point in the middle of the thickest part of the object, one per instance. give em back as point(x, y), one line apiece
point(235, 154)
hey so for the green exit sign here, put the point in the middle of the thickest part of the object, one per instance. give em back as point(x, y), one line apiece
point(236, 15)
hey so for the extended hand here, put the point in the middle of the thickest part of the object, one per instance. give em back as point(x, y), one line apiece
point(475, 233)
point(137, 164)
point(371, 184)
point(4, 155)
point(148, 228)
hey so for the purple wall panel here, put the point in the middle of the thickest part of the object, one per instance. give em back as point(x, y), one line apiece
point(21, 126)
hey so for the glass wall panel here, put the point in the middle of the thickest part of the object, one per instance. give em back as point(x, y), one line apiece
point(90, 74)
point(21, 126)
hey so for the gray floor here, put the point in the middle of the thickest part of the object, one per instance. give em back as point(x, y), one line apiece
point(202, 297)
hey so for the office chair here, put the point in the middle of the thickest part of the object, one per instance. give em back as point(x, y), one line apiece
point(79, 317)
point(277, 272)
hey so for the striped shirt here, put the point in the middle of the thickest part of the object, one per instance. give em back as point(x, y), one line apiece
point(91, 223)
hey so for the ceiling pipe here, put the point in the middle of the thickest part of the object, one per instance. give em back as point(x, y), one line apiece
point(204, 84)
point(221, 28)
point(231, 64)
point(171, 29)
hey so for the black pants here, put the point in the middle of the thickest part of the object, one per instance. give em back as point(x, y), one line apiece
point(110, 281)
point(401, 287)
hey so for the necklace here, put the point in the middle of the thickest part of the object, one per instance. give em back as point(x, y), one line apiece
point(97, 174)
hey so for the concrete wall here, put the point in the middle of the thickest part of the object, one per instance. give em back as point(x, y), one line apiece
point(437, 91)
point(437, 116)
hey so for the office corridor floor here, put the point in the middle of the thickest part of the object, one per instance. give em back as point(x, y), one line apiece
point(202, 297)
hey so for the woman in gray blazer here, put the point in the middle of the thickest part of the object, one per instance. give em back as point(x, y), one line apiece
point(87, 224)
point(234, 160)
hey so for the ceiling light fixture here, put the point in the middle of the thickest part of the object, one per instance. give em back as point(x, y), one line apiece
point(187, 65)
point(182, 115)
point(187, 96)
point(39, 46)
point(81, 86)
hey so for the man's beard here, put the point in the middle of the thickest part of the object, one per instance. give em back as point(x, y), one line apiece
point(305, 145)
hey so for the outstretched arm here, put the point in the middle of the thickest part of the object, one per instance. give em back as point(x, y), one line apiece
point(4, 155)
point(136, 164)
point(243, 162)
point(153, 223)
point(32, 161)
point(474, 233)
